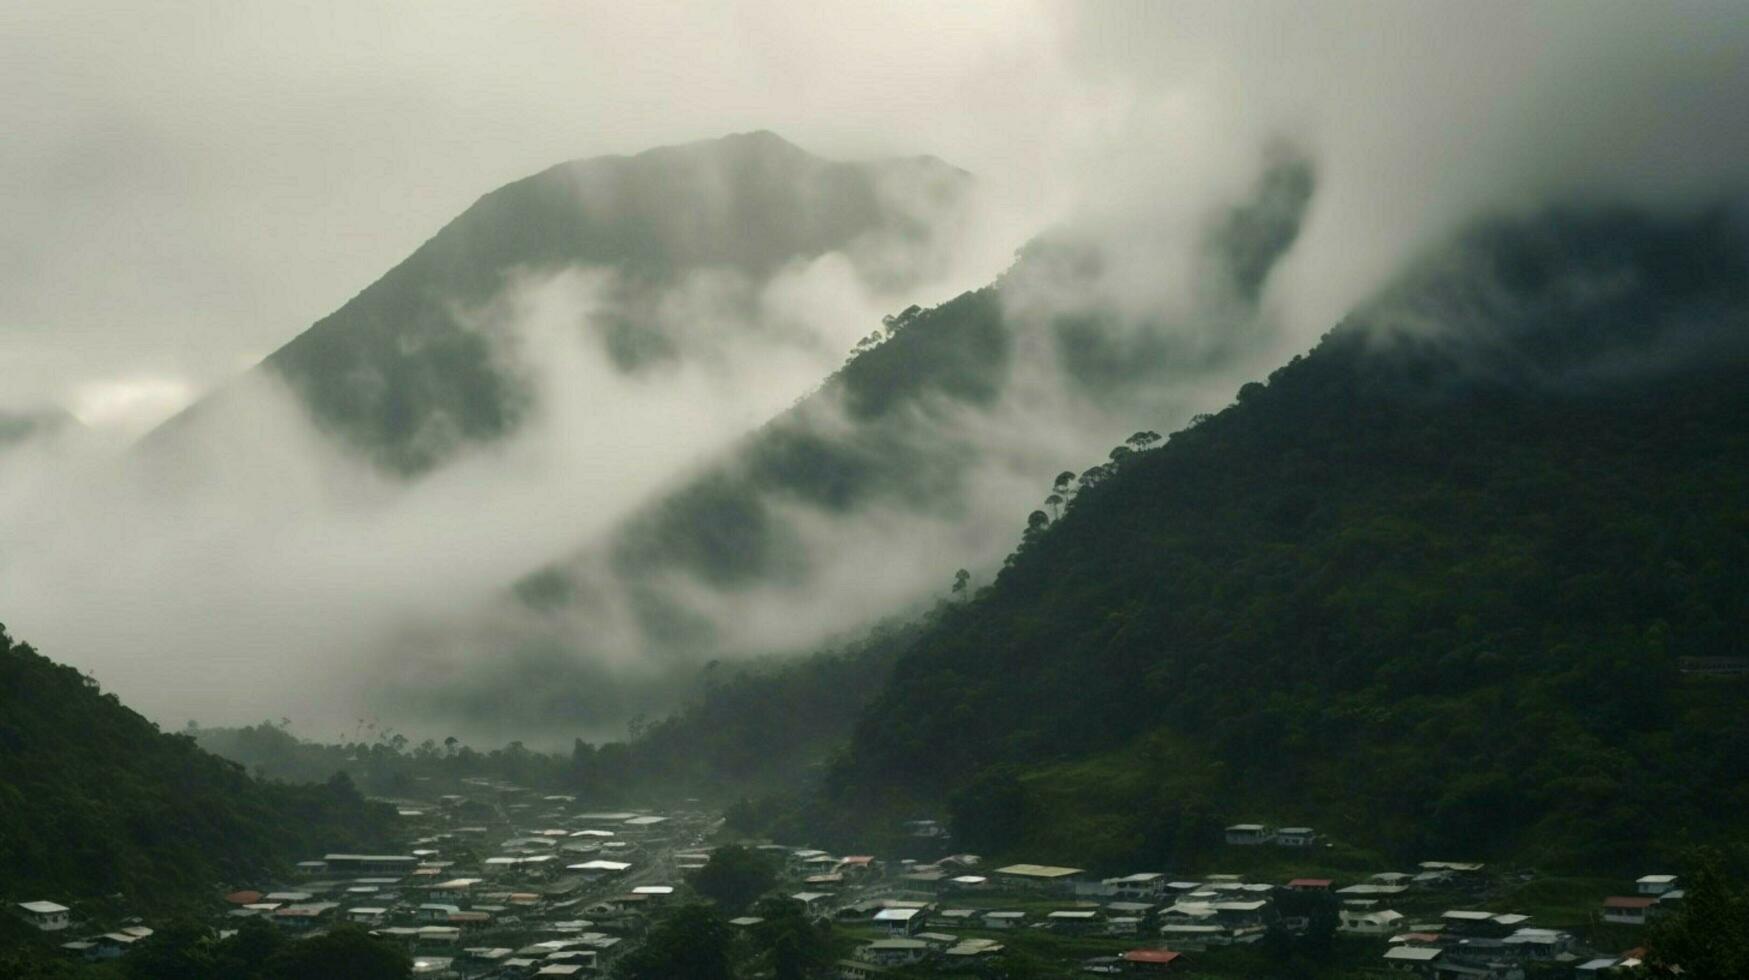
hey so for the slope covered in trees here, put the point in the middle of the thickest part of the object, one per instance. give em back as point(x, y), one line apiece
point(1430, 588)
point(96, 802)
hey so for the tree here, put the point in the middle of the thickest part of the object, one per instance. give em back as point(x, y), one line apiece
point(179, 949)
point(347, 953)
point(1142, 440)
point(692, 942)
point(1064, 483)
point(789, 944)
point(1709, 937)
point(989, 813)
point(1055, 503)
point(734, 877)
point(962, 579)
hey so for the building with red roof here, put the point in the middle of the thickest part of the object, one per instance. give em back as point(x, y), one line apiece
point(1627, 910)
point(1311, 884)
point(1151, 960)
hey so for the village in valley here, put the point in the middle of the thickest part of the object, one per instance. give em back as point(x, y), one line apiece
point(504, 882)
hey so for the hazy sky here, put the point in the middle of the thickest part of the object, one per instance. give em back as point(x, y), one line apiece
point(187, 185)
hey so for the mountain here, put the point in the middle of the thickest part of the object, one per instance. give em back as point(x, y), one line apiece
point(422, 364)
point(925, 448)
point(1434, 588)
point(95, 801)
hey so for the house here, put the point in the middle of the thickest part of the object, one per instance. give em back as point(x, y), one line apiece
point(1074, 921)
point(594, 870)
point(1471, 922)
point(1248, 834)
point(46, 916)
point(1004, 919)
point(1150, 960)
point(366, 915)
point(1538, 944)
point(856, 864)
point(1412, 959)
point(1383, 922)
point(113, 944)
point(813, 903)
point(454, 886)
point(1146, 884)
point(364, 864)
point(925, 828)
point(971, 949)
point(894, 952)
point(1655, 884)
point(1310, 884)
point(1627, 910)
point(304, 916)
point(1597, 967)
point(1037, 876)
point(900, 921)
point(1123, 925)
point(1295, 837)
point(1242, 915)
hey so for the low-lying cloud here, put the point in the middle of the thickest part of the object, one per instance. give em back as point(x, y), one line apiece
point(261, 570)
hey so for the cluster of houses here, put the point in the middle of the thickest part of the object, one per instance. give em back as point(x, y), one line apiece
point(955, 909)
point(53, 917)
point(500, 883)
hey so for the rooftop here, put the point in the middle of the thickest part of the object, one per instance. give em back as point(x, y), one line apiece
point(1037, 871)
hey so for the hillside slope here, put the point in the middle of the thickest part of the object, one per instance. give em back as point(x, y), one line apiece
point(95, 801)
point(1428, 589)
point(924, 447)
point(420, 364)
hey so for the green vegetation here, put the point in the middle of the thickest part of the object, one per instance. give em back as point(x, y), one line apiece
point(1709, 937)
point(734, 878)
point(98, 806)
point(1428, 589)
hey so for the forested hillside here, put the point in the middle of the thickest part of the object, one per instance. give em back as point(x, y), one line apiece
point(95, 801)
point(1429, 588)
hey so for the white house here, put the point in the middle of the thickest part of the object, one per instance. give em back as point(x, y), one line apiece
point(899, 921)
point(1411, 959)
point(1037, 876)
point(1359, 922)
point(1146, 884)
point(1655, 884)
point(1296, 837)
point(1072, 920)
point(1627, 910)
point(1248, 834)
point(46, 916)
point(893, 952)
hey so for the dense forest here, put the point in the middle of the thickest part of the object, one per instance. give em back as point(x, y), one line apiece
point(100, 808)
point(1429, 588)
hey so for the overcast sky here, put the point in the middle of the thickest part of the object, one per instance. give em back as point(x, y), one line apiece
point(188, 185)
